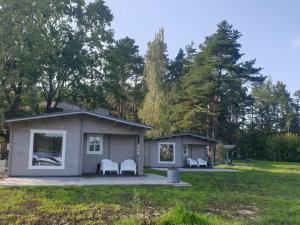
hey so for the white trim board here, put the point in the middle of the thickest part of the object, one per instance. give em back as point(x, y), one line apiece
point(64, 135)
point(100, 152)
point(187, 150)
point(174, 152)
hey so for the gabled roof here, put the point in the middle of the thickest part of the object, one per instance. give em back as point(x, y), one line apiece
point(183, 134)
point(229, 146)
point(79, 112)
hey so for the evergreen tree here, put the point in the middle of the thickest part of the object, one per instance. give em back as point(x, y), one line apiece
point(176, 68)
point(296, 119)
point(154, 107)
point(284, 110)
point(215, 89)
point(191, 52)
point(273, 108)
point(123, 73)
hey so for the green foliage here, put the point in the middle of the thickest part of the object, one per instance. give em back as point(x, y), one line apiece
point(154, 108)
point(251, 144)
point(272, 107)
point(177, 68)
point(61, 47)
point(214, 91)
point(221, 154)
point(124, 81)
point(58, 50)
point(88, 96)
point(284, 148)
point(272, 112)
point(18, 70)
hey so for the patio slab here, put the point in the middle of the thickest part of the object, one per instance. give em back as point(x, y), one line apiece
point(201, 170)
point(147, 179)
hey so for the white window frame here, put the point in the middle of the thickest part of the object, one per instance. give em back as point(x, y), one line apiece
point(63, 153)
point(88, 146)
point(174, 152)
point(187, 150)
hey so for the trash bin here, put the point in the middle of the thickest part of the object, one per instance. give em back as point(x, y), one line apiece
point(173, 175)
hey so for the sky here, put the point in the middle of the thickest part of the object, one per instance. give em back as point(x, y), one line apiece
point(270, 28)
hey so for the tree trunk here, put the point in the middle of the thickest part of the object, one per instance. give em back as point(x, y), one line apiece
point(16, 102)
point(48, 105)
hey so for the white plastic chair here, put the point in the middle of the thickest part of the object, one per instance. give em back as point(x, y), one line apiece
point(201, 162)
point(108, 165)
point(191, 162)
point(128, 165)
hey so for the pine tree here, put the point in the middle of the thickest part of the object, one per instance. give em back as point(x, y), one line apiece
point(296, 120)
point(274, 108)
point(265, 107)
point(176, 68)
point(123, 70)
point(154, 108)
point(215, 88)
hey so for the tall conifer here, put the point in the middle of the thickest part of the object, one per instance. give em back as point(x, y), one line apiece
point(154, 107)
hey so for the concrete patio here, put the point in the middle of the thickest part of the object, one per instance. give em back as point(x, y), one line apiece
point(147, 179)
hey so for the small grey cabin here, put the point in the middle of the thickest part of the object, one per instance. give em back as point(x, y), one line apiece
point(72, 143)
point(174, 150)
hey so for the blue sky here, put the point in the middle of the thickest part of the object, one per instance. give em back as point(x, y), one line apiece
point(271, 28)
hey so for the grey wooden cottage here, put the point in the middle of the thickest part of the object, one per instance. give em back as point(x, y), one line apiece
point(72, 143)
point(173, 150)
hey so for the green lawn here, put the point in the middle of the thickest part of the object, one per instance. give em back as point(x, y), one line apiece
point(265, 193)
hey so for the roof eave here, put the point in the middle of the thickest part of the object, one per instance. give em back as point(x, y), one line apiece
point(184, 134)
point(9, 121)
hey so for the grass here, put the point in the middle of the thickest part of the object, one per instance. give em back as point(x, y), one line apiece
point(265, 193)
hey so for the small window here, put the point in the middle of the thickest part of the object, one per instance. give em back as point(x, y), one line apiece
point(95, 144)
point(166, 153)
point(185, 150)
point(47, 149)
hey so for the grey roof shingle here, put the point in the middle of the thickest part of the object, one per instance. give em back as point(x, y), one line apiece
point(57, 114)
point(183, 134)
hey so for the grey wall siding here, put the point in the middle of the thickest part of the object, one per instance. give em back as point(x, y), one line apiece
point(119, 142)
point(122, 147)
point(141, 156)
point(76, 160)
point(196, 146)
point(152, 149)
point(19, 157)
point(193, 141)
point(10, 150)
point(197, 151)
point(94, 125)
point(147, 154)
point(90, 161)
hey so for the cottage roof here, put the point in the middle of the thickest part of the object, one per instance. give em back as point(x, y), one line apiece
point(79, 112)
point(183, 134)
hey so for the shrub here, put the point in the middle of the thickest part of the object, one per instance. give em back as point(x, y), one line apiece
point(284, 148)
point(220, 154)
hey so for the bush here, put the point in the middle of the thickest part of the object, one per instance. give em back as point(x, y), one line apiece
point(284, 148)
point(220, 154)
